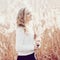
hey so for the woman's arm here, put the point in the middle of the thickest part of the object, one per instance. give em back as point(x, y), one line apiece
point(37, 40)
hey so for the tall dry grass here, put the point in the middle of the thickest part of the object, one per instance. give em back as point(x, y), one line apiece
point(7, 47)
point(49, 50)
point(50, 45)
point(50, 41)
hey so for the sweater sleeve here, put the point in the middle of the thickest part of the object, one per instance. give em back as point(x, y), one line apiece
point(36, 37)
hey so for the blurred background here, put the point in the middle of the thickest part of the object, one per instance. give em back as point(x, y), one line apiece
point(46, 15)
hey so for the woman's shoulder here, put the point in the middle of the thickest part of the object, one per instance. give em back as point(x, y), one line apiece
point(19, 29)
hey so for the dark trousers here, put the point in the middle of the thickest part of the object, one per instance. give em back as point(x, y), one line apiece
point(28, 57)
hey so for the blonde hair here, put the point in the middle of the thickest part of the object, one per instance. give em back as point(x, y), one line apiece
point(21, 16)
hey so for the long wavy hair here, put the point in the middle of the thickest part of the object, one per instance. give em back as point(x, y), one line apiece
point(23, 12)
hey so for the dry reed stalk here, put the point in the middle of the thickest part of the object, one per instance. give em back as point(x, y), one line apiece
point(50, 45)
point(7, 47)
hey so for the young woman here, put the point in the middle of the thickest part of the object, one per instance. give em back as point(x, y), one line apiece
point(25, 36)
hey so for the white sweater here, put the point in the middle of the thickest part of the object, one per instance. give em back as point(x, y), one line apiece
point(24, 41)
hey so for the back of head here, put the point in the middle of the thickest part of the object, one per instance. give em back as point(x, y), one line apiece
point(21, 17)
